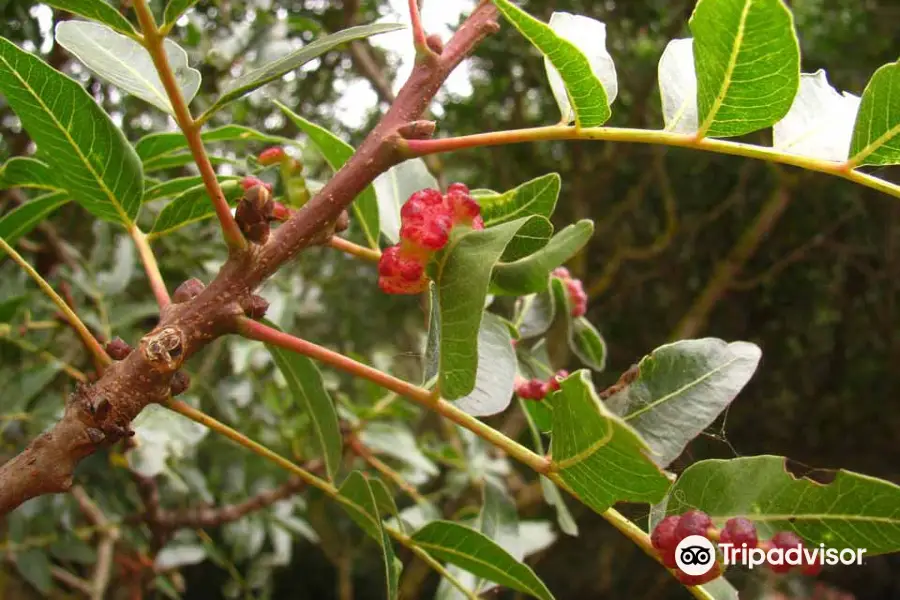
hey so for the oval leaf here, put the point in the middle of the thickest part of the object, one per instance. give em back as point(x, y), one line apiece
point(678, 86)
point(748, 64)
point(394, 187)
point(270, 72)
point(876, 136)
point(476, 553)
point(820, 122)
point(126, 64)
point(308, 390)
point(496, 365)
point(176, 186)
point(586, 93)
point(25, 217)
point(598, 456)
point(681, 388)
point(462, 275)
point(853, 511)
point(336, 152)
point(531, 273)
point(191, 206)
point(96, 10)
point(90, 156)
point(589, 36)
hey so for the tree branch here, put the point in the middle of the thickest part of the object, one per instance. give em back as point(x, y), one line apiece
point(98, 415)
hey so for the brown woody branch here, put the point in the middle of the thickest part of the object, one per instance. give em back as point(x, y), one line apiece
point(98, 415)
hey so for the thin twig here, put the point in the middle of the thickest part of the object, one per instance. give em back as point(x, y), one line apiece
point(154, 43)
point(339, 243)
point(151, 268)
point(69, 315)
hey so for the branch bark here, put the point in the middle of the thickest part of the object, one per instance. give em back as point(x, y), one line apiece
point(99, 414)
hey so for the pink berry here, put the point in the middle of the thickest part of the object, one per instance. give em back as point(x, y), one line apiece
point(693, 522)
point(463, 206)
point(739, 531)
point(663, 536)
point(271, 156)
point(458, 187)
point(784, 540)
point(478, 223)
point(250, 181)
point(556, 378)
point(561, 272)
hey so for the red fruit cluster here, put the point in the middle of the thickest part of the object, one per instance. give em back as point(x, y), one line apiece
point(250, 181)
point(536, 389)
point(577, 296)
point(738, 531)
point(426, 220)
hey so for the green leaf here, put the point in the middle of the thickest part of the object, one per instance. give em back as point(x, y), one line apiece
point(534, 314)
point(191, 206)
point(720, 589)
point(257, 78)
point(27, 172)
point(90, 156)
point(34, 566)
point(535, 197)
point(126, 64)
point(681, 388)
point(747, 61)
point(876, 135)
point(554, 498)
point(307, 388)
point(598, 456)
point(24, 218)
point(495, 372)
point(462, 275)
point(394, 187)
point(155, 145)
point(853, 511)
point(336, 152)
point(586, 93)
point(175, 186)
point(584, 339)
point(397, 441)
point(476, 553)
point(531, 273)
point(96, 10)
point(364, 511)
point(174, 10)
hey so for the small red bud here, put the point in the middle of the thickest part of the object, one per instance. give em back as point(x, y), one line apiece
point(250, 181)
point(435, 43)
point(257, 307)
point(181, 381)
point(187, 290)
point(253, 214)
point(271, 156)
point(118, 349)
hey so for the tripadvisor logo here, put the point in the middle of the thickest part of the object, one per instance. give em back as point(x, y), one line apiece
point(696, 555)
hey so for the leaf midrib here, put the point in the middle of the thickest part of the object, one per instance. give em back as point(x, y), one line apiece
point(677, 392)
point(65, 132)
point(729, 72)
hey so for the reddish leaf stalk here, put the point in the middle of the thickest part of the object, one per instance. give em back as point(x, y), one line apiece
point(154, 43)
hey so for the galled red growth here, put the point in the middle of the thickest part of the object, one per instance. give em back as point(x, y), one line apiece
point(426, 220)
point(574, 289)
point(271, 156)
point(401, 273)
